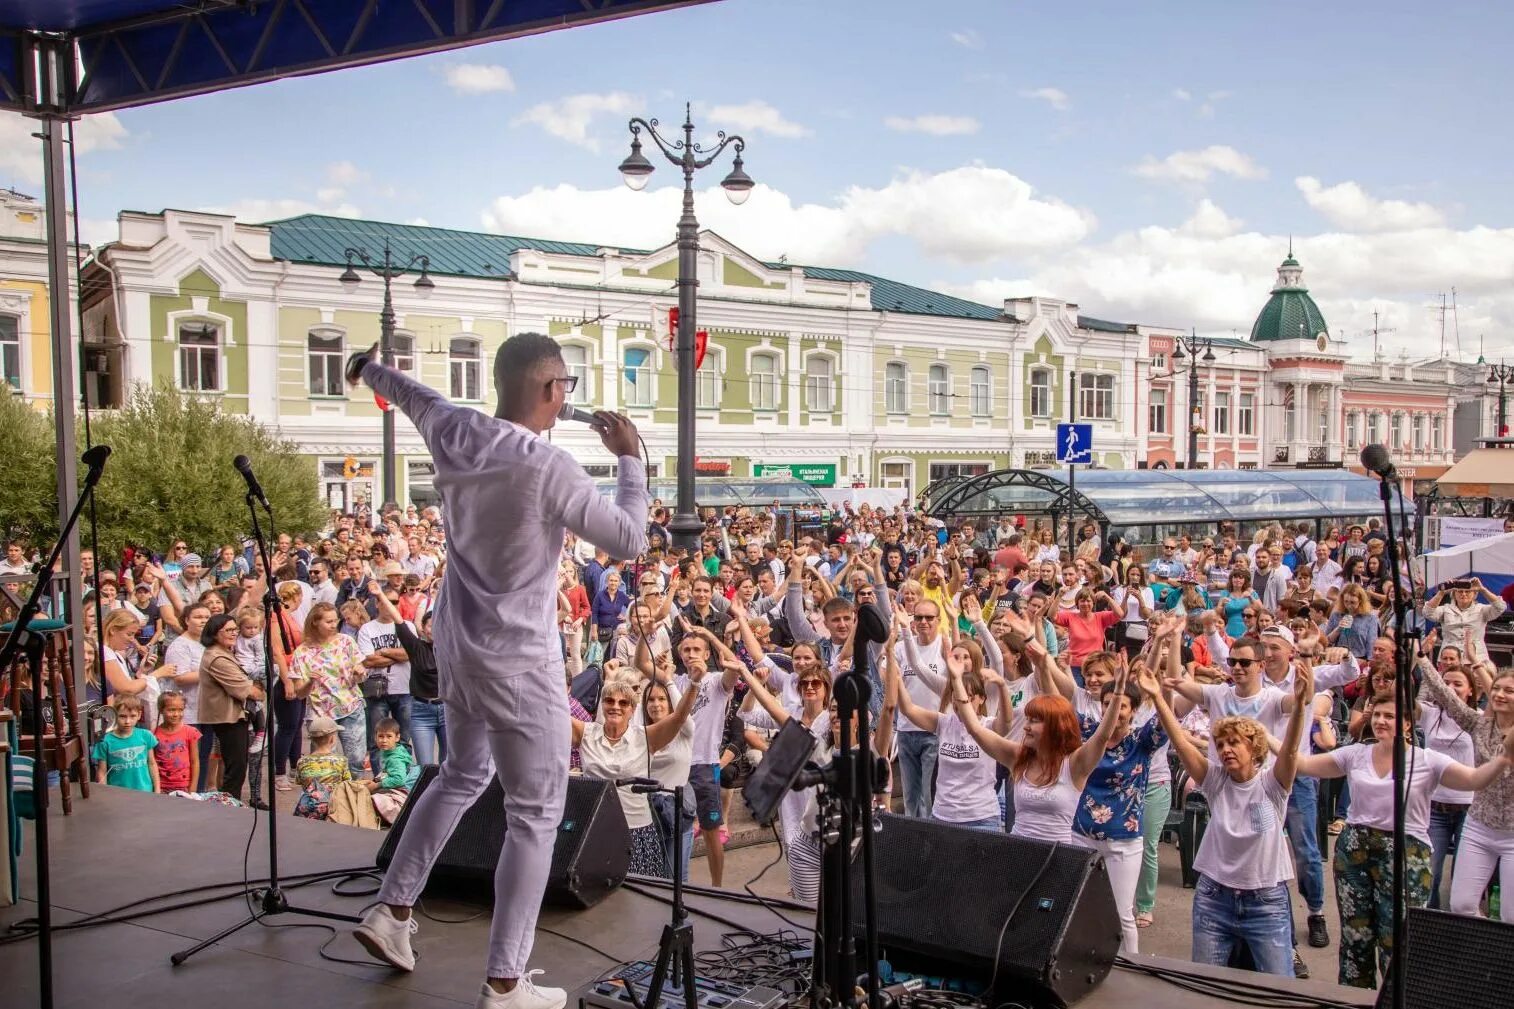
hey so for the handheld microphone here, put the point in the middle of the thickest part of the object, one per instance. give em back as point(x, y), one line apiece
point(639, 784)
point(1375, 459)
point(244, 466)
point(571, 412)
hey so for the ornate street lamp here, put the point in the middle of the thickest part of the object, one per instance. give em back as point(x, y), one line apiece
point(1196, 420)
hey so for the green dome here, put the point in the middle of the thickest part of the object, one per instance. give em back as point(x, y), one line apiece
point(1290, 314)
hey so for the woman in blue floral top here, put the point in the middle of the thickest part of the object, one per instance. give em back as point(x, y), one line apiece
point(1114, 800)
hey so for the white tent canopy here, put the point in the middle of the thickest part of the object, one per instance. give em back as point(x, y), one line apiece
point(1490, 559)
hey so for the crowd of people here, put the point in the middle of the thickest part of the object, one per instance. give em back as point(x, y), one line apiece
point(1066, 695)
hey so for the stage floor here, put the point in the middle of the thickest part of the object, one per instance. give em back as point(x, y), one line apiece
point(123, 846)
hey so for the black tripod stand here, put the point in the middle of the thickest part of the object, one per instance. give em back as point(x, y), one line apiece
point(675, 953)
point(29, 638)
point(271, 900)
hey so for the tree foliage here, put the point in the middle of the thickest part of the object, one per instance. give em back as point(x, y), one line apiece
point(28, 491)
point(170, 475)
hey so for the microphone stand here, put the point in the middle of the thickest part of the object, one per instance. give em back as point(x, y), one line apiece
point(675, 952)
point(1404, 648)
point(272, 902)
point(31, 643)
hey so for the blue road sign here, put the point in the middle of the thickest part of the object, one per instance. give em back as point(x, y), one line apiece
point(1075, 443)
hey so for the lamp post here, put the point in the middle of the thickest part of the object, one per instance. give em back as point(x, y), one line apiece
point(1193, 345)
point(386, 269)
point(1502, 375)
point(685, 526)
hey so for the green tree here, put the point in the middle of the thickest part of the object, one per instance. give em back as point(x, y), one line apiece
point(170, 474)
point(28, 493)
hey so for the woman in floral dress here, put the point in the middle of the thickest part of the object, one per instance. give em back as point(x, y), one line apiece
point(327, 669)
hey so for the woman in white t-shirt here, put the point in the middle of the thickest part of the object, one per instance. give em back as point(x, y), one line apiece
point(1134, 602)
point(670, 766)
point(620, 749)
point(1243, 862)
point(1364, 850)
point(1448, 806)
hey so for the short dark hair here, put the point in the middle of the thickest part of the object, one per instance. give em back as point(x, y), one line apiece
point(517, 367)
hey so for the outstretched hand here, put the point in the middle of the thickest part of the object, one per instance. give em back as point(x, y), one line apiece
point(1303, 682)
point(355, 362)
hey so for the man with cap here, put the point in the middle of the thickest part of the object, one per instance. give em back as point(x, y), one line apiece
point(1279, 649)
point(191, 581)
point(511, 495)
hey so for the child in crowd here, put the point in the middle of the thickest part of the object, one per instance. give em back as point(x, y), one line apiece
point(248, 651)
point(320, 770)
point(123, 756)
point(178, 751)
point(391, 782)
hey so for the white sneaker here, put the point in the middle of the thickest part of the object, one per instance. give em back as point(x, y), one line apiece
point(387, 938)
point(524, 996)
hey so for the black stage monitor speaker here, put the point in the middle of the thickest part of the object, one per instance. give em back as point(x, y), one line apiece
point(960, 898)
point(1455, 959)
point(589, 858)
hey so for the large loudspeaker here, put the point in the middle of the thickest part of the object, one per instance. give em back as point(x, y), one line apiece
point(1455, 958)
point(589, 857)
point(960, 898)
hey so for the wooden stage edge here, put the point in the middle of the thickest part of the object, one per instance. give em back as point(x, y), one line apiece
point(121, 846)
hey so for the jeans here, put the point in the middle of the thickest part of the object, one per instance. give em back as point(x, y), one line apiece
point(1224, 918)
point(1303, 837)
point(428, 730)
point(353, 729)
point(917, 765)
point(289, 721)
point(993, 824)
point(395, 706)
point(1153, 819)
point(1445, 835)
point(207, 746)
point(662, 815)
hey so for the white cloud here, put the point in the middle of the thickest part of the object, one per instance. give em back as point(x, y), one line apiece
point(344, 173)
point(1206, 110)
point(756, 116)
point(1348, 206)
point(419, 222)
point(256, 210)
point(1055, 97)
point(968, 214)
point(478, 78)
point(1209, 221)
point(330, 194)
point(968, 38)
point(937, 126)
point(1198, 166)
point(569, 118)
point(21, 153)
point(1182, 94)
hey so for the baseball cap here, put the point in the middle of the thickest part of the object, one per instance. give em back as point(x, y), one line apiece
point(323, 727)
point(1278, 631)
point(189, 559)
point(393, 568)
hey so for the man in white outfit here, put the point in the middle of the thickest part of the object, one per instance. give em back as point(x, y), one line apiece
point(510, 494)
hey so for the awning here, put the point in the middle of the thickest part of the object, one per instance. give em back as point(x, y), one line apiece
point(1483, 472)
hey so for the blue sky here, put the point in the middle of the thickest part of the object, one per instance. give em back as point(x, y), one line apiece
point(1148, 161)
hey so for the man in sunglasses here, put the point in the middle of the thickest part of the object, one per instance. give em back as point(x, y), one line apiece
point(511, 496)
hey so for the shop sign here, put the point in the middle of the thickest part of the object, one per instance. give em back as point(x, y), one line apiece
point(816, 474)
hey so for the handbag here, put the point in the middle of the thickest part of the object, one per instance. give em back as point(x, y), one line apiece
point(594, 655)
point(375, 686)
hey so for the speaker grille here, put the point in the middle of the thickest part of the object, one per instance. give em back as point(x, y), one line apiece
point(1456, 958)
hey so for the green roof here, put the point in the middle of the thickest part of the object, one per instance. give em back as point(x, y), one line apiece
point(1104, 326)
point(1288, 315)
point(323, 241)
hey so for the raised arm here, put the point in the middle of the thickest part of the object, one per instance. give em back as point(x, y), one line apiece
point(663, 731)
point(1444, 698)
point(1194, 760)
point(793, 602)
point(1086, 757)
point(1286, 766)
point(921, 716)
point(1005, 751)
point(1476, 779)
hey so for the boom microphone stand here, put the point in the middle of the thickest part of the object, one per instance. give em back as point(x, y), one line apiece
point(272, 902)
point(1375, 460)
point(29, 637)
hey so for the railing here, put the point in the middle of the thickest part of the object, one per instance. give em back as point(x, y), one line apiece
point(1280, 453)
point(1318, 453)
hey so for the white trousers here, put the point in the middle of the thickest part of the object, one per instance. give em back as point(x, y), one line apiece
point(1123, 860)
point(1481, 853)
point(516, 727)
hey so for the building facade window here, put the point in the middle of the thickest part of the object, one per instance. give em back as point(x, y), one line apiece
point(403, 348)
point(707, 384)
point(896, 387)
point(199, 357)
point(896, 475)
point(465, 369)
point(1438, 433)
point(575, 356)
point(764, 382)
point(1156, 412)
point(1396, 432)
point(1353, 427)
point(943, 470)
point(938, 386)
point(1040, 392)
point(819, 385)
point(636, 377)
point(1222, 413)
point(1374, 428)
point(980, 392)
point(10, 351)
point(1196, 415)
point(326, 363)
point(1095, 397)
point(1419, 432)
point(1245, 417)
point(1159, 361)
